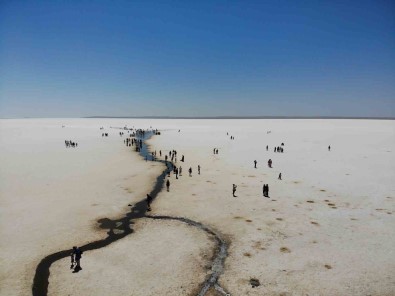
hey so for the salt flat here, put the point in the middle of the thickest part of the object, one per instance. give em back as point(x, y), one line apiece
point(327, 228)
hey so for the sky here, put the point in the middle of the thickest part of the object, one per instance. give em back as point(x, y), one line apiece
point(197, 58)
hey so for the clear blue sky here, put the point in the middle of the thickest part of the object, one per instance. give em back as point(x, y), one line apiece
point(197, 58)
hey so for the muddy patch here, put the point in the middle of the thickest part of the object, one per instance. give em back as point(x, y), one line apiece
point(254, 282)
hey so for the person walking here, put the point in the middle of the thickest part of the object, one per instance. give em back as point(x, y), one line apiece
point(190, 172)
point(255, 163)
point(168, 185)
point(199, 169)
point(76, 258)
point(234, 189)
point(329, 148)
point(279, 176)
point(148, 201)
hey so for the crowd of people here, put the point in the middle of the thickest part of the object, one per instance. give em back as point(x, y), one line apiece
point(135, 138)
point(70, 144)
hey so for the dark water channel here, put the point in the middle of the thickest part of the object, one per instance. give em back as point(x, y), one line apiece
point(120, 228)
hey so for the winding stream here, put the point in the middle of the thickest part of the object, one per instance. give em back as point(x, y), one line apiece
point(118, 229)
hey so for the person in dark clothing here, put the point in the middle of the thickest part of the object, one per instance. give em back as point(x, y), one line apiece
point(190, 172)
point(199, 169)
point(279, 176)
point(149, 201)
point(168, 185)
point(255, 163)
point(329, 148)
point(267, 147)
point(234, 190)
point(180, 171)
point(76, 258)
point(182, 158)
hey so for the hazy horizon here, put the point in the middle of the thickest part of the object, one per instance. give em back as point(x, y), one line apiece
point(202, 59)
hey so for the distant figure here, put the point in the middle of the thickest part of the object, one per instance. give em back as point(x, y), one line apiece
point(329, 148)
point(176, 172)
point(180, 171)
point(269, 163)
point(279, 176)
point(266, 190)
point(190, 172)
point(255, 163)
point(275, 149)
point(168, 185)
point(149, 201)
point(214, 150)
point(234, 189)
point(217, 151)
point(75, 259)
point(160, 152)
point(267, 147)
point(165, 158)
point(198, 169)
point(182, 158)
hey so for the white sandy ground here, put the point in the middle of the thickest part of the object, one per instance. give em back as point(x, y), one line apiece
point(152, 261)
point(328, 228)
point(51, 197)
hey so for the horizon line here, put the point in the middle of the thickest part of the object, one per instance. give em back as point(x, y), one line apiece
point(246, 117)
point(217, 117)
